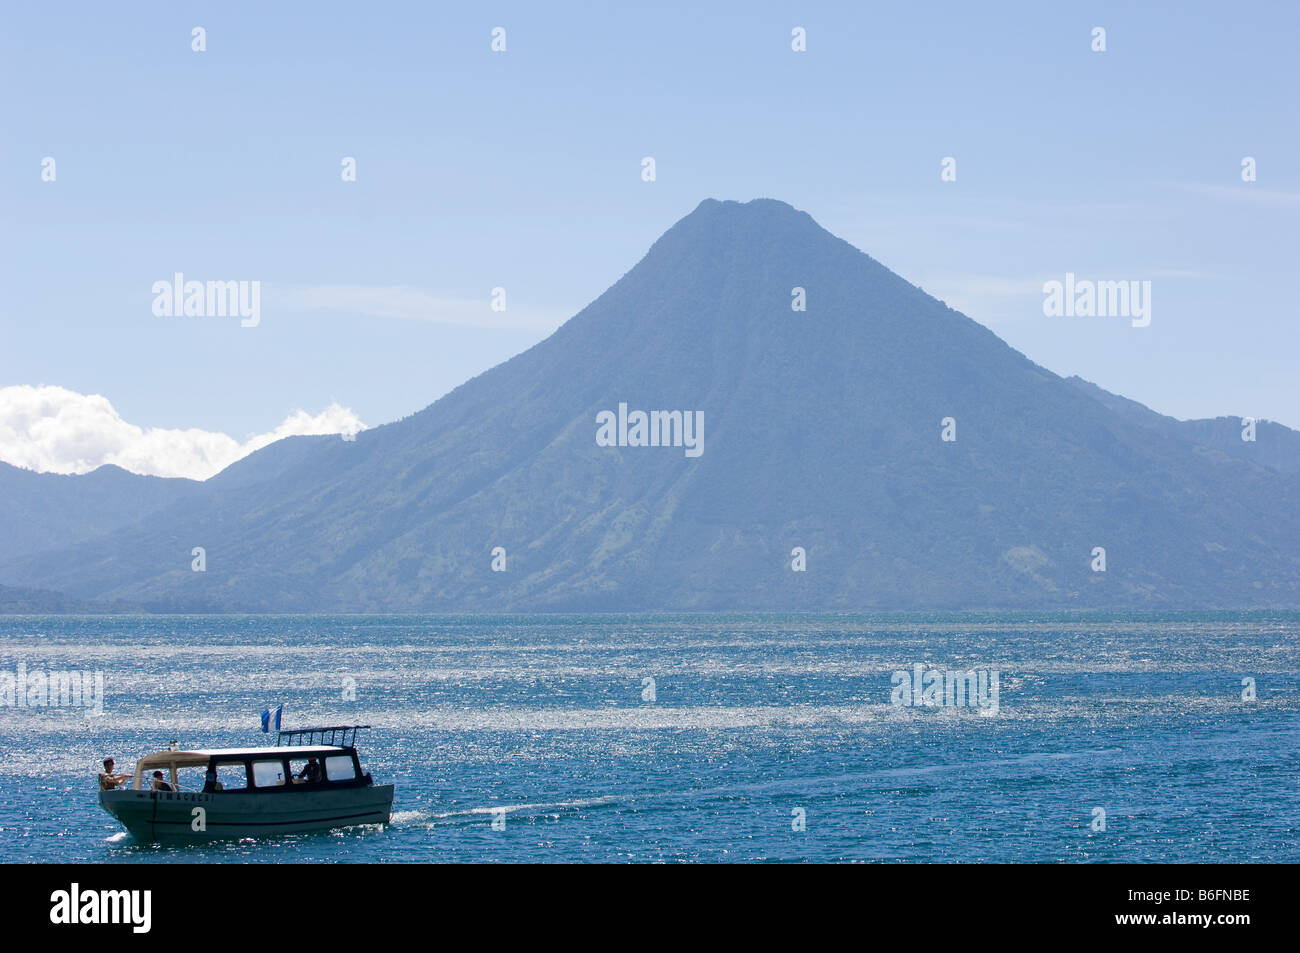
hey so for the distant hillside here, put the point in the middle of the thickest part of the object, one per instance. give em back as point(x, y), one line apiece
point(269, 464)
point(821, 431)
point(40, 601)
point(1275, 446)
point(40, 511)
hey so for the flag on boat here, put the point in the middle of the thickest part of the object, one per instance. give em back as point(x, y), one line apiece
point(268, 717)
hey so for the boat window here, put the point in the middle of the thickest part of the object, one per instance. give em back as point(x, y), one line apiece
point(232, 777)
point(191, 779)
point(340, 768)
point(268, 774)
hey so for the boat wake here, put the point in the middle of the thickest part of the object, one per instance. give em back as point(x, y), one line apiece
point(409, 819)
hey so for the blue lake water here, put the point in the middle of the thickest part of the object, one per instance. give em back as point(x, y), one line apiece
point(757, 722)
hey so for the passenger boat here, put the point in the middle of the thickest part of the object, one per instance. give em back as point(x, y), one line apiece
point(311, 781)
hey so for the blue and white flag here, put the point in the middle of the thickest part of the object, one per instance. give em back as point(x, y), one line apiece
point(267, 718)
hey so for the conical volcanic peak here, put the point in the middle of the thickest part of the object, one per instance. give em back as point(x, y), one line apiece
point(914, 459)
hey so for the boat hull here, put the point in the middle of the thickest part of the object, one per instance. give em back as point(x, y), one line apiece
point(194, 817)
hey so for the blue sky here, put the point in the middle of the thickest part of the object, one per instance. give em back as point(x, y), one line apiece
point(521, 169)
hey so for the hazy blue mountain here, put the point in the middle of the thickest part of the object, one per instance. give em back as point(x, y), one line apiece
point(1274, 446)
point(822, 431)
point(42, 601)
point(270, 463)
point(41, 511)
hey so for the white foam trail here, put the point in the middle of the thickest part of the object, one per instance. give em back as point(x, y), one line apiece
point(431, 818)
point(404, 818)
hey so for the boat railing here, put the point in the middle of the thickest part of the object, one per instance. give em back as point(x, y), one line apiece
point(341, 736)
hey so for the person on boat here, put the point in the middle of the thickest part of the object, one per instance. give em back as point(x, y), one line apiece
point(159, 784)
point(108, 780)
point(311, 772)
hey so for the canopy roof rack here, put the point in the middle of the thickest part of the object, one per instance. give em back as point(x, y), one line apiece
point(342, 736)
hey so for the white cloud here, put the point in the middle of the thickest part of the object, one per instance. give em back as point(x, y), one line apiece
point(1245, 192)
point(55, 430)
point(398, 301)
point(989, 299)
point(995, 300)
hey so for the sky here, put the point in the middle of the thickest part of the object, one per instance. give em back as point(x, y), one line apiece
point(522, 169)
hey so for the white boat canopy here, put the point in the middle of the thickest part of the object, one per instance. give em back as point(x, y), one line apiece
point(172, 760)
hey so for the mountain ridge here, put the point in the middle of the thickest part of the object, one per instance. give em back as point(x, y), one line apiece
point(822, 431)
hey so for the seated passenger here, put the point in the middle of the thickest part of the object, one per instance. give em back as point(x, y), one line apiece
point(159, 784)
point(108, 780)
point(311, 772)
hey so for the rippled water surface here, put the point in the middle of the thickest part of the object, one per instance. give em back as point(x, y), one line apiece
point(754, 719)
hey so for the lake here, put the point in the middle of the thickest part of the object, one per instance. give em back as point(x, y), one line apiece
point(1116, 737)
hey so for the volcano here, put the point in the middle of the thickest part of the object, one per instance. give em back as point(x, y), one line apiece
point(875, 450)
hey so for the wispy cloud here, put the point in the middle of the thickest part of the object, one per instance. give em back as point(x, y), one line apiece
point(55, 430)
point(401, 301)
point(1245, 192)
point(989, 299)
point(1002, 299)
point(1194, 273)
